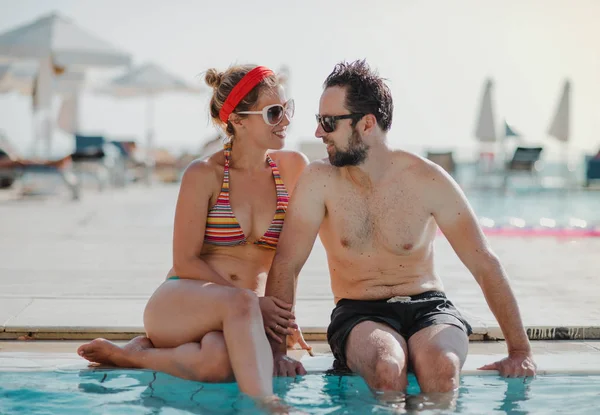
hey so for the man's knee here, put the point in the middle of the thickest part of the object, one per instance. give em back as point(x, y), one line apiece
point(438, 371)
point(243, 304)
point(389, 374)
point(213, 364)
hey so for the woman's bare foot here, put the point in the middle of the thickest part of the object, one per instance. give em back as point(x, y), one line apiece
point(107, 353)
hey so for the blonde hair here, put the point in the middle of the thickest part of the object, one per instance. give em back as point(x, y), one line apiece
point(223, 82)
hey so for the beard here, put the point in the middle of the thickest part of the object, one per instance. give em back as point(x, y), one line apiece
point(353, 156)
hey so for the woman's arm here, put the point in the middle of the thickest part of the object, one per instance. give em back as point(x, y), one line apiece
point(190, 223)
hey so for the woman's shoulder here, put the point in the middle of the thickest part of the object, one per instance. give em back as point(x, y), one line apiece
point(291, 164)
point(290, 158)
point(206, 169)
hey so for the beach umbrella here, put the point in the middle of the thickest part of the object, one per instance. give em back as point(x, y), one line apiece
point(485, 130)
point(560, 127)
point(509, 131)
point(56, 37)
point(147, 81)
point(20, 77)
point(57, 45)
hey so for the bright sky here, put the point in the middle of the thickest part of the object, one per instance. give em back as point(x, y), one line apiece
point(436, 55)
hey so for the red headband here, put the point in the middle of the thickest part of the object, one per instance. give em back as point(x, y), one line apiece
point(249, 81)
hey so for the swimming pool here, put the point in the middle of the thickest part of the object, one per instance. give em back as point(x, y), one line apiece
point(134, 392)
point(527, 203)
point(531, 206)
point(530, 212)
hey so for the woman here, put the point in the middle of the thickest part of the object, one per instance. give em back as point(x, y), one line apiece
point(205, 320)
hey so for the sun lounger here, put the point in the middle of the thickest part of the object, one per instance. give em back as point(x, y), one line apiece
point(97, 156)
point(592, 169)
point(523, 161)
point(12, 169)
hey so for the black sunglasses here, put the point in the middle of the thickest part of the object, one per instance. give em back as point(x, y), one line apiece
point(328, 122)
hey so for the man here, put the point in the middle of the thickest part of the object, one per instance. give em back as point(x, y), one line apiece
point(377, 211)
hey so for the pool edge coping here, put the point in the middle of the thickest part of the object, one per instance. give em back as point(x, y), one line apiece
point(480, 333)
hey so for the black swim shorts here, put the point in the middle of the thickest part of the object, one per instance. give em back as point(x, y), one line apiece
point(406, 315)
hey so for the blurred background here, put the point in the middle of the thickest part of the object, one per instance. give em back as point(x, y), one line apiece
point(503, 94)
point(103, 105)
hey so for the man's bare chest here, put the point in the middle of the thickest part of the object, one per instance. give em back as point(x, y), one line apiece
point(393, 220)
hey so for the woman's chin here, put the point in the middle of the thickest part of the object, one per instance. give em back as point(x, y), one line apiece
point(277, 143)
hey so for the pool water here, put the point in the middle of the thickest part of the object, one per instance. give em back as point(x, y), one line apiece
point(563, 208)
point(132, 392)
point(525, 201)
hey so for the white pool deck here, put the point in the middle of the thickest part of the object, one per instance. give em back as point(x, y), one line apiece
point(77, 270)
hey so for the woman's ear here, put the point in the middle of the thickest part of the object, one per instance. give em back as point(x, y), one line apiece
point(235, 120)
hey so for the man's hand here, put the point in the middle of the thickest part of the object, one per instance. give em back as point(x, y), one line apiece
point(277, 318)
point(516, 365)
point(284, 365)
point(297, 338)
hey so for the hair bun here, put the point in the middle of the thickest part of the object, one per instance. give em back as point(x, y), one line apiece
point(213, 78)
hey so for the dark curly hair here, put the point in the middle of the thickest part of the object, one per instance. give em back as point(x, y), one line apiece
point(366, 91)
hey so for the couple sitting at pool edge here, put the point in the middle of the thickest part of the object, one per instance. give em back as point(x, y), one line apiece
point(226, 310)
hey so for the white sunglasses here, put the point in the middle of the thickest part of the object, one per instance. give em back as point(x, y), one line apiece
point(273, 114)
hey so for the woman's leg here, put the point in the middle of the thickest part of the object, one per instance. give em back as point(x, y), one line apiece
point(206, 361)
point(183, 312)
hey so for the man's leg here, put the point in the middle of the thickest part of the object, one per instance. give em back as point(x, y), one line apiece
point(379, 354)
point(438, 353)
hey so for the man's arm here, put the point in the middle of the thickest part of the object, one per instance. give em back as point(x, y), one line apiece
point(303, 219)
point(458, 222)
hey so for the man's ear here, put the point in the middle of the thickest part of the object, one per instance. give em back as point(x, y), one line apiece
point(370, 122)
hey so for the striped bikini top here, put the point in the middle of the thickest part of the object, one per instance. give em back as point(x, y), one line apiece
point(222, 227)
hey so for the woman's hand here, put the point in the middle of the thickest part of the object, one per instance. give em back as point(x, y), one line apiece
point(277, 318)
point(297, 338)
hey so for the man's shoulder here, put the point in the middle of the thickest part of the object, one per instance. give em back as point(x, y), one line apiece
point(320, 168)
point(417, 166)
point(317, 174)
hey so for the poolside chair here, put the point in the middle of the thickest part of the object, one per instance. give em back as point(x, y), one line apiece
point(443, 159)
point(7, 175)
point(13, 168)
point(166, 166)
point(134, 167)
point(98, 157)
point(523, 161)
point(592, 169)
